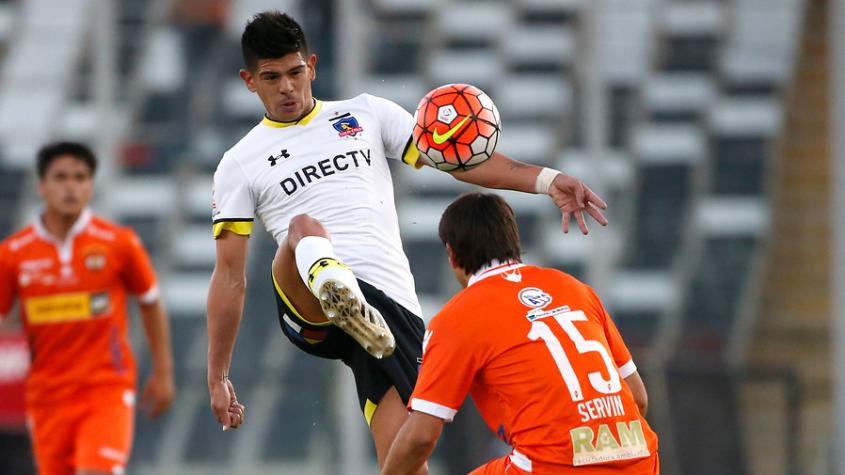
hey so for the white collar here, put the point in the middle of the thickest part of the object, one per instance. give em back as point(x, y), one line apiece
point(80, 224)
point(493, 268)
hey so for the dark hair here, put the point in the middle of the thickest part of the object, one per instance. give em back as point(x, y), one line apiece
point(480, 227)
point(52, 151)
point(271, 35)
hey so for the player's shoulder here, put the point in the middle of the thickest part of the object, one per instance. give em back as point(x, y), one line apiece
point(245, 147)
point(569, 290)
point(361, 102)
point(557, 276)
point(106, 230)
point(560, 282)
point(377, 102)
point(508, 289)
point(362, 99)
point(19, 239)
point(235, 162)
point(464, 309)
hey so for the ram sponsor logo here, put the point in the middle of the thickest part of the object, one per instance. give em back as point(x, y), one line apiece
point(590, 447)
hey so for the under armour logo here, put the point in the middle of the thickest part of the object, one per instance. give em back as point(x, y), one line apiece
point(282, 155)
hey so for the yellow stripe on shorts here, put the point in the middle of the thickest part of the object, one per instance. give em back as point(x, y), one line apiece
point(369, 409)
point(293, 309)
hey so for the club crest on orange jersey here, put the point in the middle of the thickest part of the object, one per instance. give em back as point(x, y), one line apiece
point(346, 125)
point(95, 257)
point(95, 262)
point(533, 297)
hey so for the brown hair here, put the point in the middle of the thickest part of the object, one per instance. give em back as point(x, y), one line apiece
point(271, 35)
point(50, 152)
point(480, 227)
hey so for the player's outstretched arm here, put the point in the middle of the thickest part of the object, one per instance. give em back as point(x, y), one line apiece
point(569, 194)
point(225, 306)
point(413, 444)
point(159, 390)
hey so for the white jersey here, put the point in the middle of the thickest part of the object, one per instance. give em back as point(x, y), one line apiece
point(331, 165)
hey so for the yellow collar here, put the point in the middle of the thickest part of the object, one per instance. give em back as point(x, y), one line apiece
point(303, 121)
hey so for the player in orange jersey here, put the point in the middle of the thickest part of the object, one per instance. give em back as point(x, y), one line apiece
point(538, 352)
point(71, 272)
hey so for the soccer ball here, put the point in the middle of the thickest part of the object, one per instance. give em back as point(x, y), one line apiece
point(457, 127)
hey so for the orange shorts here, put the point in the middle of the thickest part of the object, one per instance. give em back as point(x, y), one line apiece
point(93, 432)
point(499, 466)
point(504, 466)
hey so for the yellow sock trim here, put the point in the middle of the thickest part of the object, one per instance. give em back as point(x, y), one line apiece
point(321, 265)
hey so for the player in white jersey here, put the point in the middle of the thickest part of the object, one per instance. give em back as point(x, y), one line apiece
point(316, 174)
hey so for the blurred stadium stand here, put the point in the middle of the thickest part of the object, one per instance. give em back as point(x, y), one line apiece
point(679, 123)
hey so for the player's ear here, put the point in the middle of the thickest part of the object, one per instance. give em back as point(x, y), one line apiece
point(248, 79)
point(312, 66)
point(453, 260)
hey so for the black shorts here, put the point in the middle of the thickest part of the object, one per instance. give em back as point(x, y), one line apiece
point(373, 377)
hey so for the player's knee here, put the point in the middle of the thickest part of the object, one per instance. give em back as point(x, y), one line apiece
point(303, 225)
point(301, 221)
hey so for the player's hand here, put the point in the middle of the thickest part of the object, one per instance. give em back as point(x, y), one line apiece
point(572, 196)
point(224, 404)
point(158, 393)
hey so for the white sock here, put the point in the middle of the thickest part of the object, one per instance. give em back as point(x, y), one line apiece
point(312, 249)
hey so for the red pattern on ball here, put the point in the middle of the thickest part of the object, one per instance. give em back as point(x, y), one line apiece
point(472, 143)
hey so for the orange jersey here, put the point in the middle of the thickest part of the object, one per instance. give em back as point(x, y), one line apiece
point(546, 366)
point(73, 303)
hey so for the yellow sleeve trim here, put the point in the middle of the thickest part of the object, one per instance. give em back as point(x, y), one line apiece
point(369, 409)
point(411, 155)
point(243, 228)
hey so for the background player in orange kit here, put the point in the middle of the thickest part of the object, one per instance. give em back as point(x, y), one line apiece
point(541, 357)
point(72, 271)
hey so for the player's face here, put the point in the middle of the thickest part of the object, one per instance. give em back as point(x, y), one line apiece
point(283, 85)
point(67, 186)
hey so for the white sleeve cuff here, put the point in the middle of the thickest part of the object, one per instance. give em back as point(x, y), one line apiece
point(433, 409)
point(150, 296)
point(627, 369)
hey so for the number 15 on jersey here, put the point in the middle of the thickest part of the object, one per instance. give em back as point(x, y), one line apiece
point(541, 330)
